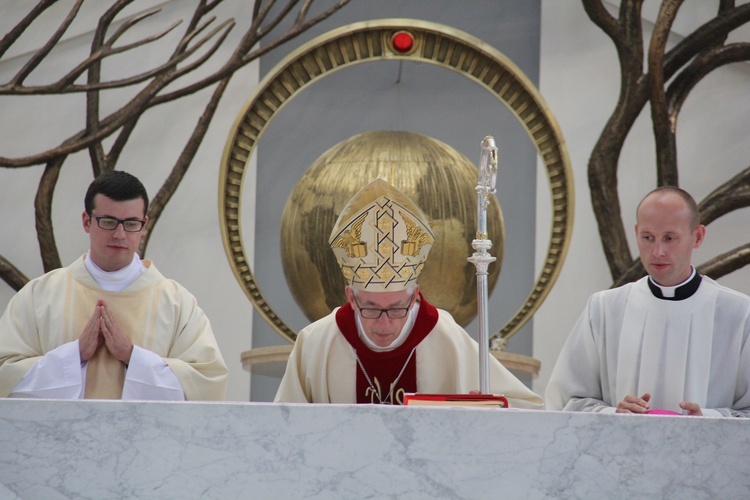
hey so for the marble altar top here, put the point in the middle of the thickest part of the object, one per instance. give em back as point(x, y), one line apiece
point(114, 449)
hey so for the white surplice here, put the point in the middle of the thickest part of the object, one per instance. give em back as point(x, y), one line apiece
point(629, 342)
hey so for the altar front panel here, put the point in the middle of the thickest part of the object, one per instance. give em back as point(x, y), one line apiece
point(112, 449)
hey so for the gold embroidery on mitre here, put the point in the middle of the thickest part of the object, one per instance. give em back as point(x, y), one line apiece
point(351, 240)
point(416, 238)
point(381, 239)
point(386, 273)
point(406, 273)
point(385, 224)
point(363, 273)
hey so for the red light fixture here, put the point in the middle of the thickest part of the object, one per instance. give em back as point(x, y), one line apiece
point(402, 42)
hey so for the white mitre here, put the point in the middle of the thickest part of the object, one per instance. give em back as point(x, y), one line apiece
point(381, 239)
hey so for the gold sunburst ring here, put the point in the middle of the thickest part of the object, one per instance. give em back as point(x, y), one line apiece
point(377, 40)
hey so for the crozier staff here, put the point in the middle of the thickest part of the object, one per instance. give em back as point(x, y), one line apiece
point(109, 326)
point(387, 339)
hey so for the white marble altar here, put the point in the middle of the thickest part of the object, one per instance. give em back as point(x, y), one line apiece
point(113, 449)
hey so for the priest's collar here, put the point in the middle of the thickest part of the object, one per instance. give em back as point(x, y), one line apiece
point(115, 281)
point(684, 290)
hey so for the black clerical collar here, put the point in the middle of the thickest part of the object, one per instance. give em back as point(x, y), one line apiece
point(682, 292)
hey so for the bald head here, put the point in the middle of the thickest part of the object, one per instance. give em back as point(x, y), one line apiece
point(668, 229)
point(668, 192)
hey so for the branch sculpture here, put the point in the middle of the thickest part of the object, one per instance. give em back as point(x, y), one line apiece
point(202, 37)
point(683, 66)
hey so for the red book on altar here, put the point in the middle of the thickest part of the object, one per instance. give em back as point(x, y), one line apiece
point(481, 400)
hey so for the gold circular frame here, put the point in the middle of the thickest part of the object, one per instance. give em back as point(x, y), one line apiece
point(371, 41)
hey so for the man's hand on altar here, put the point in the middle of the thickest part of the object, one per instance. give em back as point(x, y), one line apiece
point(634, 404)
point(691, 409)
point(117, 342)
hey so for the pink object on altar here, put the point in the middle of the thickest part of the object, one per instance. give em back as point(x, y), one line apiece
point(661, 411)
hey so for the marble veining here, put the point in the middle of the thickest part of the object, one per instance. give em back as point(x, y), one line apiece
point(113, 449)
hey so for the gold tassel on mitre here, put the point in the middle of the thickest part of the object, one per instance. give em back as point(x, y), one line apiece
point(381, 239)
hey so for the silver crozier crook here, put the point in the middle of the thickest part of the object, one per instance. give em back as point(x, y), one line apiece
point(481, 258)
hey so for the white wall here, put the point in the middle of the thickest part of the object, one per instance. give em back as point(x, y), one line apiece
point(579, 78)
point(186, 244)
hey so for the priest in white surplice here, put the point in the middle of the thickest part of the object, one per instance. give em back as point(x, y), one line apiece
point(109, 326)
point(674, 340)
point(387, 339)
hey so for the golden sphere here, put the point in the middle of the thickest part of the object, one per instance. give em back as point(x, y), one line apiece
point(439, 179)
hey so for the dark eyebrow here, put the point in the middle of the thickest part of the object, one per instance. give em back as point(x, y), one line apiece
point(113, 217)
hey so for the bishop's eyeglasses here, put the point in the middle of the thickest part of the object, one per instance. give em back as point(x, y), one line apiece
point(374, 313)
point(111, 223)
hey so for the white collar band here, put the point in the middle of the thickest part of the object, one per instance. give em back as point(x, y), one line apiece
point(115, 281)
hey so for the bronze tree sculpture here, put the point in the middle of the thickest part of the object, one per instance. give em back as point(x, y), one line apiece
point(198, 43)
point(683, 67)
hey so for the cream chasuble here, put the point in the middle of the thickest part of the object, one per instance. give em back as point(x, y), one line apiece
point(158, 315)
point(133, 310)
point(322, 367)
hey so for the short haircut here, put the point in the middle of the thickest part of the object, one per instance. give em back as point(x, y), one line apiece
point(695, 216)
point(118, 186)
